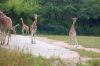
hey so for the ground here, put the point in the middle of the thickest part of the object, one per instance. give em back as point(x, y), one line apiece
point(86, 53)
point(49, 48)
point(42, 48)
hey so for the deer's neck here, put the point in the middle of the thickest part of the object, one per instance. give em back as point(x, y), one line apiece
point(22, 21)
point(35, 19)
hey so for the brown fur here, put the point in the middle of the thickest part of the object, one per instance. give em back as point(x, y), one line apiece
point(72, 32)
point(33, 30)
point(24, 27)
point(6, 25)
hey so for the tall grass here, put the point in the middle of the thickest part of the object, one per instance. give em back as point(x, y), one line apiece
point(16, 58)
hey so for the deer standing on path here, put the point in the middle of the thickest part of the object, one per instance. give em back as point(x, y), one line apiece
point(14, 28)
point(72, 32)
point(5, 27)
point(33, 29)
point(25, 28)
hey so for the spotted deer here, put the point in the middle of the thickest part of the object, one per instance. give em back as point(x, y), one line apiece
point(72, 32)
point(25, 28)
point(33, 29)
point(5, 27)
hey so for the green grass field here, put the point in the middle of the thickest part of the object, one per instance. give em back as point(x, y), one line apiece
point(90, 63)
point(84, 53)
point(87, 41)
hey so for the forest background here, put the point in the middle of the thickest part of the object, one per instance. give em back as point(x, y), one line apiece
point(56, 15)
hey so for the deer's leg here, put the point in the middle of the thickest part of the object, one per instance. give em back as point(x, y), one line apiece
point(71, 40)
point(3, 37)
point(22, 31)
point(74, 40)
point(9, 35)
point(14, 31)
point(1, 33)
point(28, 31)
point(0, 36)
point(32, 37)
point(76, 43)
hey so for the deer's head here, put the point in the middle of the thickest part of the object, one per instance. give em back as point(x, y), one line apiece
point(36, 16)
point(1, 14)
point(74, 19)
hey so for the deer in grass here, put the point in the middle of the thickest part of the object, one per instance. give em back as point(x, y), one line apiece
point(72, 32)
point(25, 28)
point(14, 28)
point(33, 29)
point(5, 27)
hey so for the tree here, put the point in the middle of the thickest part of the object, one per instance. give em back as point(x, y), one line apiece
point(56, 14)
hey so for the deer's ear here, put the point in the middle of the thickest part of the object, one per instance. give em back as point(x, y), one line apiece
point(74, 18)
point(1, 12)
point(36, 15)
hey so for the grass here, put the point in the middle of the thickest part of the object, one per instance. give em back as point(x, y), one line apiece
point(90, 63)
point(85, 53)
point(15, 58)
point(87, 41)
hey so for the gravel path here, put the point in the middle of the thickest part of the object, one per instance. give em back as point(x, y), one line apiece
point(66, 45)
point(42, 48)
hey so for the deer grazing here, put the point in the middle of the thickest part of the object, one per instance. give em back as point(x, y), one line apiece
point(25, 28)
point(14, 28)
point(33, 29)
point(72, 32)
point(5, 27)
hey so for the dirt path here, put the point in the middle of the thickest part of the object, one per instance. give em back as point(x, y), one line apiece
point(42, 48)
point(48, 48)
point(66, 45)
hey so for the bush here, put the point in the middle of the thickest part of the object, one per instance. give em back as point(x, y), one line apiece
point(54, 29)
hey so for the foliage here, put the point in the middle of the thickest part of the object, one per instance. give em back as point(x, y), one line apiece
point(22, 6)
point(59, 13)
point(56, 14)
